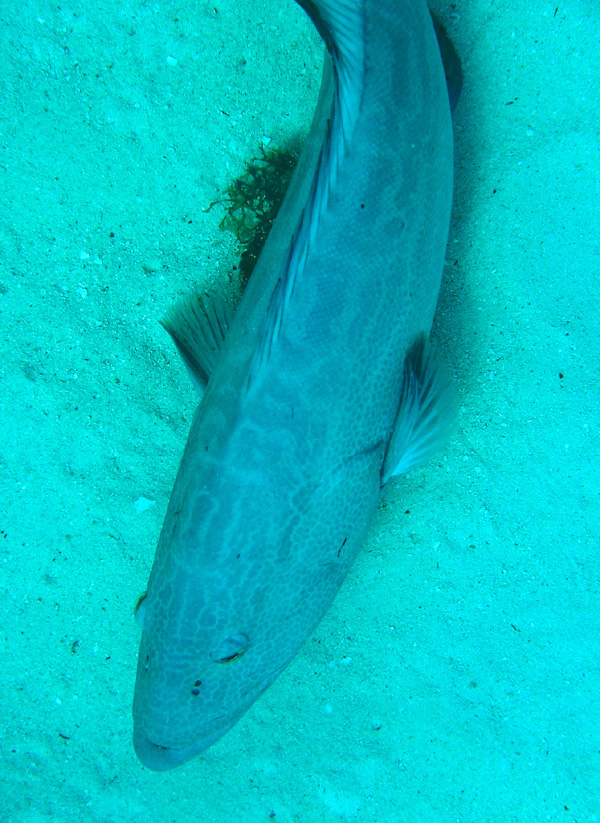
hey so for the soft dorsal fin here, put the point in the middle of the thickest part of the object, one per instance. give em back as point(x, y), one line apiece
point(341, 25)
point(198, 325)
point(426, 414)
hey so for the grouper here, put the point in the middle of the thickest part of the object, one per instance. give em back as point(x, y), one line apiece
point(319, 387)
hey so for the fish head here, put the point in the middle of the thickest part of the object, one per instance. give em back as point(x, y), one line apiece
point(200, 668)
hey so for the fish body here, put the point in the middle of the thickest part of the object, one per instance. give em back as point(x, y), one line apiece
point(318, 389)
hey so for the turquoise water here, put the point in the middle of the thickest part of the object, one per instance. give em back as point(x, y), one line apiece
point(457, 675)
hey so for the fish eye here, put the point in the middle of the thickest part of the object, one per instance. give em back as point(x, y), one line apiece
point(231, 648)
point(231, 657)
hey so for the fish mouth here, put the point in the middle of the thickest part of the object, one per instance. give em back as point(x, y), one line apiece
point(164, 758)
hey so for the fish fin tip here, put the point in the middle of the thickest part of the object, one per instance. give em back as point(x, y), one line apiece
point(140, 610)
point(450, 60)
point(426, 414)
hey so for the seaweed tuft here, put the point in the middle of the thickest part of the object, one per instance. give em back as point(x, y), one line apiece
point(254, 200)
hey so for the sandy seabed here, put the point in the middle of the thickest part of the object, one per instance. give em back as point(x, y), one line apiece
point(457, 675)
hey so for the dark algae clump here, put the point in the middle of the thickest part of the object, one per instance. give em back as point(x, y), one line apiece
point(254, 200)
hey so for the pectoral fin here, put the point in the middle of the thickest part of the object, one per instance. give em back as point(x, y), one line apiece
point(426, 414)
point(198, 326)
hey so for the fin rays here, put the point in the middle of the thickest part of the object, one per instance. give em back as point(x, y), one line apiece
point(341, 25)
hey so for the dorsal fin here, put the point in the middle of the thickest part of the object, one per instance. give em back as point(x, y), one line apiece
point(198, 325)
point(341, 25)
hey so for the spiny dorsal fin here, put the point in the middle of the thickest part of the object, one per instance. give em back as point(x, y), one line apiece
point(198, 325)
point(341, 25)
point(426, 414)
